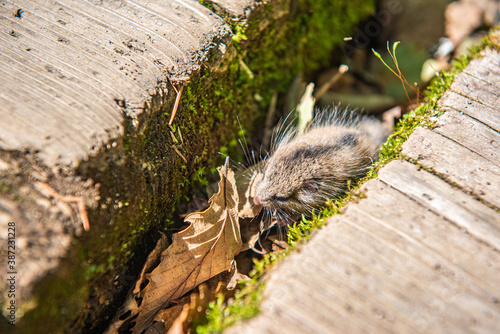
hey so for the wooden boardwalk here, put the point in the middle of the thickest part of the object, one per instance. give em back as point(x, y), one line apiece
point(90, 94)
point(421, 253)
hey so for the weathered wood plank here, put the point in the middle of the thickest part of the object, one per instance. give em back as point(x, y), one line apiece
point(382, 267)
point(73, 74)
point(459, 208)
point(470, 133)
point(476, 90)
point(234, 8)
point(430, 239)
point(480, 79)
point(456, 163)
point(486, 68)
point(426, 239)
point(476, 110)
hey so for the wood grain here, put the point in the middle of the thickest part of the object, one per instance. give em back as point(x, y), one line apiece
point(61, 62)
point(445, 200)
point(470, 133)
point(455, 163)
point(387, 265)
point(476, 90)
point(486, 67)
point(479, 80)
point(484, 114)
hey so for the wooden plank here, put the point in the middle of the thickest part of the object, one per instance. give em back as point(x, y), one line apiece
point(382, 267)
point(477, 90)
point(476, 110)
point(430, 238)
point(234, 8)
point(456, 163)
point(483, 71)
point(459, 208)
point(486, 68)
point(89, 83)
point(470, 133)
point(460, 282)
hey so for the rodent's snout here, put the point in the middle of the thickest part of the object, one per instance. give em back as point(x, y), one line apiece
point(257, 201)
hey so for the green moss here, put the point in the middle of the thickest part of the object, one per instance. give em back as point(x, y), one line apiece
point(221, 316)
point(303, 44)
point(244, 305)
point(71, 288)
point(238, 33)
point(421, 116)
point(5, 188)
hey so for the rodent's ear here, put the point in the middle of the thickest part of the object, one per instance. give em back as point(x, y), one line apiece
point(310, 185)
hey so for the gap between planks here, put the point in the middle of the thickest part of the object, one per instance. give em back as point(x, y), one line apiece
point(456, 163)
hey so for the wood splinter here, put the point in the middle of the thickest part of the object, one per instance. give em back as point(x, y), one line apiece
point(78, 200)
point(176, 104)
point(179, 153)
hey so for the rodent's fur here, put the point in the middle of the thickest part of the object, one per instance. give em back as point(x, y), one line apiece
point(307, 169)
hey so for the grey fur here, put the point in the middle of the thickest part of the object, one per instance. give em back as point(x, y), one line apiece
point(307, 169)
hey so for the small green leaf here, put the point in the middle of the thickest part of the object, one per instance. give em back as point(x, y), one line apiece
point(394, 46)
point(377, 54)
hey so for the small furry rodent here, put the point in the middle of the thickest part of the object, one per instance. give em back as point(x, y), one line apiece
point(304, 170)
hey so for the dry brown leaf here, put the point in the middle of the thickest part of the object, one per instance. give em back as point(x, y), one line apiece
point(199, 301)
point(249, 227)
point(246, 182)
point(264, 243)
point(180, 322)
point(164, 319)
point(278, 244)
point(131, 305)
point(194, 310)
point(204, 249)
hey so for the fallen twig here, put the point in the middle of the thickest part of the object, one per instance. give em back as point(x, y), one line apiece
point(176, 104)
point(323, 89)
point(269, 120)
point(247, 69)
point(78, 200)
point(179, 153)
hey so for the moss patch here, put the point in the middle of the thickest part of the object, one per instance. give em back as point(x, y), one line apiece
point(303, 43)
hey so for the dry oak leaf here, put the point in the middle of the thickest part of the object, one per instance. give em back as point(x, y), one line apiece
point(224, 283)
point(204, 249)
point(195, 309)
